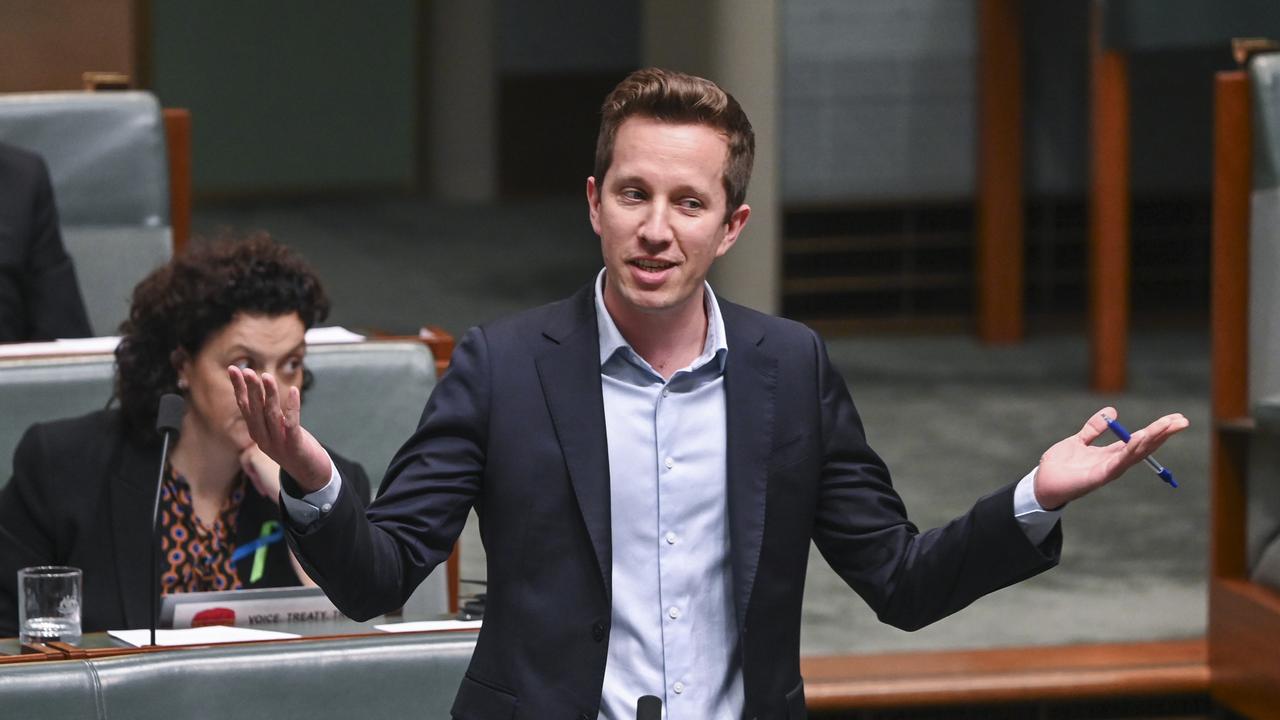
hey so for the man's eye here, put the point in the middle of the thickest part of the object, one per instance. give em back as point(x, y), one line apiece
point(691, 204)
point(291, 366)
point(632, 194)
point(242, 363)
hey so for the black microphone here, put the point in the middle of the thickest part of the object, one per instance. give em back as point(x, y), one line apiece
point(648, 707)
point(168, 423)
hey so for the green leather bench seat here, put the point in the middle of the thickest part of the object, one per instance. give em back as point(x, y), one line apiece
point(411, 675)
point(50, 690)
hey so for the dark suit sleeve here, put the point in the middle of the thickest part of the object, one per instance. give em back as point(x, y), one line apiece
point(352, 472)
point(370, 562)
point(909, 578)
point(27, 531)
point(55, 308)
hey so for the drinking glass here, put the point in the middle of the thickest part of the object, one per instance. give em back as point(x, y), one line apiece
point(49, 604)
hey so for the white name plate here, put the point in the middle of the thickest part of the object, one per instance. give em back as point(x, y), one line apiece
point(248, 608)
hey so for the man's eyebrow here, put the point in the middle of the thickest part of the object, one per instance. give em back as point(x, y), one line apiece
point(629, 180)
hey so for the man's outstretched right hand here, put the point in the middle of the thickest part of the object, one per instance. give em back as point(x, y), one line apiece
point(277, 427)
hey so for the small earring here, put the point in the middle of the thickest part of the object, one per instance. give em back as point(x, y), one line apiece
point(182, 383)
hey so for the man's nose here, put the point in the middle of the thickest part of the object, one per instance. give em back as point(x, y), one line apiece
point(657, 224)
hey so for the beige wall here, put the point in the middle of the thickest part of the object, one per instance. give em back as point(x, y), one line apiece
point(47, 44)
point(735, 44)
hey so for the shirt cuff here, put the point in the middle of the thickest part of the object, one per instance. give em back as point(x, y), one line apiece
point(309, 508)
point(1036, 522)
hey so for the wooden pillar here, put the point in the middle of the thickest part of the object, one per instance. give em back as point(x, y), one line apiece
point(1108, 212)
point(1229, 303)
point(177, 133)
point(1000, 245)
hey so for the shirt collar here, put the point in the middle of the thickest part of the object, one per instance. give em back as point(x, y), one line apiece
point(611, 339)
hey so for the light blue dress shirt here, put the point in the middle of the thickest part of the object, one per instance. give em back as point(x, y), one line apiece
point(674, 633)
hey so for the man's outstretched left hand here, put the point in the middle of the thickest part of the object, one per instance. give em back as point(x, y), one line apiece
point(1074, 467)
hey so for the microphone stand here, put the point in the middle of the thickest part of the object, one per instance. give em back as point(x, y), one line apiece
point(168, 421)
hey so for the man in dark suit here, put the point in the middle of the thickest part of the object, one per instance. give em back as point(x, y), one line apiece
point(39, 296)
point(649, 464)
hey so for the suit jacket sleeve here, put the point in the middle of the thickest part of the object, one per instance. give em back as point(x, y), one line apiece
point(370, 562)
point(27, 533)
point(352, 472)
point(55, 308)
point(909, 578)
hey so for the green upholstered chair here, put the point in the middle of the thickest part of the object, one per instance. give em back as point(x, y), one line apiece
point(108, 164)
point(409, 675)
point(58, 690)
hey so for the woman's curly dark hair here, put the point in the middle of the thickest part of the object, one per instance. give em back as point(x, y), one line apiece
point(184, 302)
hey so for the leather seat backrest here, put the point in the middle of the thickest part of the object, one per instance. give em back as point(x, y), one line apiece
point(49, 689)
point(366, 399)
point(411, 675)
point(405, 676)
point(44, 388)
point(109, 168)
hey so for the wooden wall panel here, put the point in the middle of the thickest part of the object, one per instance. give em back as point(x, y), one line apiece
point(47, 44)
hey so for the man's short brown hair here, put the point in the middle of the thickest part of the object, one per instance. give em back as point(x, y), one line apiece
point(675, 97)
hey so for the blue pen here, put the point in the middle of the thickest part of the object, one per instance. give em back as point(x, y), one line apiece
point(1123, 434)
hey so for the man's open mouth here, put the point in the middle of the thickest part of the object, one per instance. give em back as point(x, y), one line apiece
point(653, 265)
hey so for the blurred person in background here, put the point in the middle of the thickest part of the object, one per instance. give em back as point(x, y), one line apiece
point(39, 296)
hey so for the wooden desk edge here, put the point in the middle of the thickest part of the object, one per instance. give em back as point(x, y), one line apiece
point(1006, 675)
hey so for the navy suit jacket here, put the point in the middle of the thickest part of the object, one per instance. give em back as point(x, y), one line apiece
point(516, 428)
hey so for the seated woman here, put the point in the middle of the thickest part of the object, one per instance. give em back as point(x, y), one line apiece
point(83, 488)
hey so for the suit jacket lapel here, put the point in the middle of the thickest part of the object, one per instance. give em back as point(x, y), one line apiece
point(132, 495)
point(569, 371)
point(750, 384)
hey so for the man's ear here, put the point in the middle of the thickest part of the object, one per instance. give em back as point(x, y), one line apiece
point(593, 204)
point(733, 228)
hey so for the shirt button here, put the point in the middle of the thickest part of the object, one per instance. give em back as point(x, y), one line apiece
point(678, 687)
point(326, 507)
point(671, 538)
point(666, 392)
point(597, 632)
point(674, 613)
point(669, 463)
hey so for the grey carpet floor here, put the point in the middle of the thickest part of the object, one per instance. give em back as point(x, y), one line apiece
point(953, 419)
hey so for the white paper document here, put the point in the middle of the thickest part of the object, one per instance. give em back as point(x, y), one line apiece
point(208, 635)
point(332, 335)
point(430, 625)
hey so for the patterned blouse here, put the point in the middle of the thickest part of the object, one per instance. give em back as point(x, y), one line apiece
point(197, 558)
